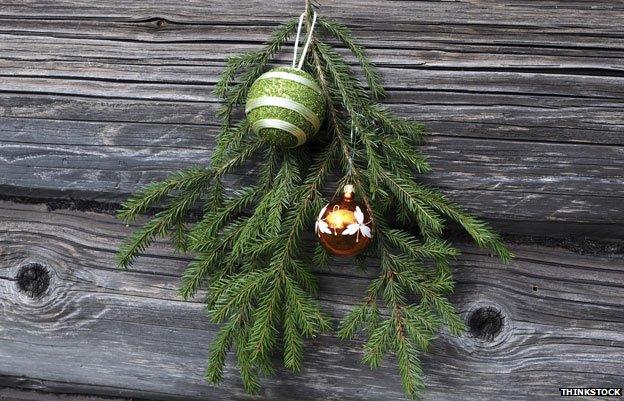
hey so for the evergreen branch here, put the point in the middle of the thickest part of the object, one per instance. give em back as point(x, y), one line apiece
point(409, 365)
point(207, 229)
point(371, 73)
point(400, 153)
point(352, 322)
point(477, 229)
point(321, 257)
point(433, 248)
point(339, 73)
point(266, 219)
point(211, 258)
point(250, 245)
point(293, 342)
point(229, 142)
point(179, 237)
point(308, 319)
point(391, 124)
point(374, 161)
point(303, 319)
point(308, 315)
point(308, 195)
point(263, 334)
point(430, 223)
point(242, 154)
point(333, 82)
point(218, 352)
point(234, 94)
point(254, 61)
point(393, 284)
point(378, 343)
point(160, 225)
point(193, 186)
point(248, 371)
point(153, 193)
point(235, 292)
point(448, 314)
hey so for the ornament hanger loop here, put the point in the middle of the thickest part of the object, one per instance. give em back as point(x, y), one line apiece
point(307, 44)
point(352, 153)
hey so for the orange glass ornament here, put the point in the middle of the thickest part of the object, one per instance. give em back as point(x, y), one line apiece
point(343, 227)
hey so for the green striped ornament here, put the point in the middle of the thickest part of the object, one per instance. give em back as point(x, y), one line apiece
point(285, 106)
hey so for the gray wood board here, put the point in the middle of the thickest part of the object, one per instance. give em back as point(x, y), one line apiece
point(97, 330)
point(523, 99)
point(14, 394)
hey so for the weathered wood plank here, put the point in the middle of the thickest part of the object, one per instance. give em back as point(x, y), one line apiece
point(600, 14)
point(108, 160)
point(100, 99)
point(454, 35)
point(501, 116)
point(391, 50)
point(562, 325)
point(500, 180)
point(12, 394)
point(524, 103)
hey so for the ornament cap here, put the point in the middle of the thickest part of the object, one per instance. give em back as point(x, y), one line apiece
point(348, 192)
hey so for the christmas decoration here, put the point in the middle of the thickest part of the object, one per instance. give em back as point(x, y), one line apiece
point(344, 227)
point(286, 106)
point(249, 248)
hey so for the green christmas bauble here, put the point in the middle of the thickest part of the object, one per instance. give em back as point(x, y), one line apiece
point(285, 106)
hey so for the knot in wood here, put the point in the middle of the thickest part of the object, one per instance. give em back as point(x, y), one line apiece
point(486, 323)
point(161, 23)
point(33, 279)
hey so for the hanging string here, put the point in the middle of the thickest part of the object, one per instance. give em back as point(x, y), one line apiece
point(307, 44)
point(352, 153)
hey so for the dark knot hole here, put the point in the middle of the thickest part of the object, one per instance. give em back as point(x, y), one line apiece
point(486, 323)
point(33, 279)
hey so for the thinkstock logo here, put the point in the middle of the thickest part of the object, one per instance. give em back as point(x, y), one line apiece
point(597, 392)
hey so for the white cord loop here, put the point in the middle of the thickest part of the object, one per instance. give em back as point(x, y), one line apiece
point(307, 44)
point(352, 153)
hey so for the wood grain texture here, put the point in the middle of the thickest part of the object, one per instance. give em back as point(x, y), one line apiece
point(524, 103)
point(126, 333)
point(523, 99)
point(13, 394)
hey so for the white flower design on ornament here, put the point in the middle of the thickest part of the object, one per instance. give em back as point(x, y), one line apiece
point(321, 225)
point(359, 227)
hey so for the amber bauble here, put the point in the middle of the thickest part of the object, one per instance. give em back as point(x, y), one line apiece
point(344, 227)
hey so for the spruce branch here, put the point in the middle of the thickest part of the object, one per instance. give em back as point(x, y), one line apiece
point(153, 193)
point(165, 222)
point(212, 250)
point(252, 265)
point(192, 184)
point(253, 63)
point(344, 34)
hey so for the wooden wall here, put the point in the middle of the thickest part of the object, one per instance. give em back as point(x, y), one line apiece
point(524, 101)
